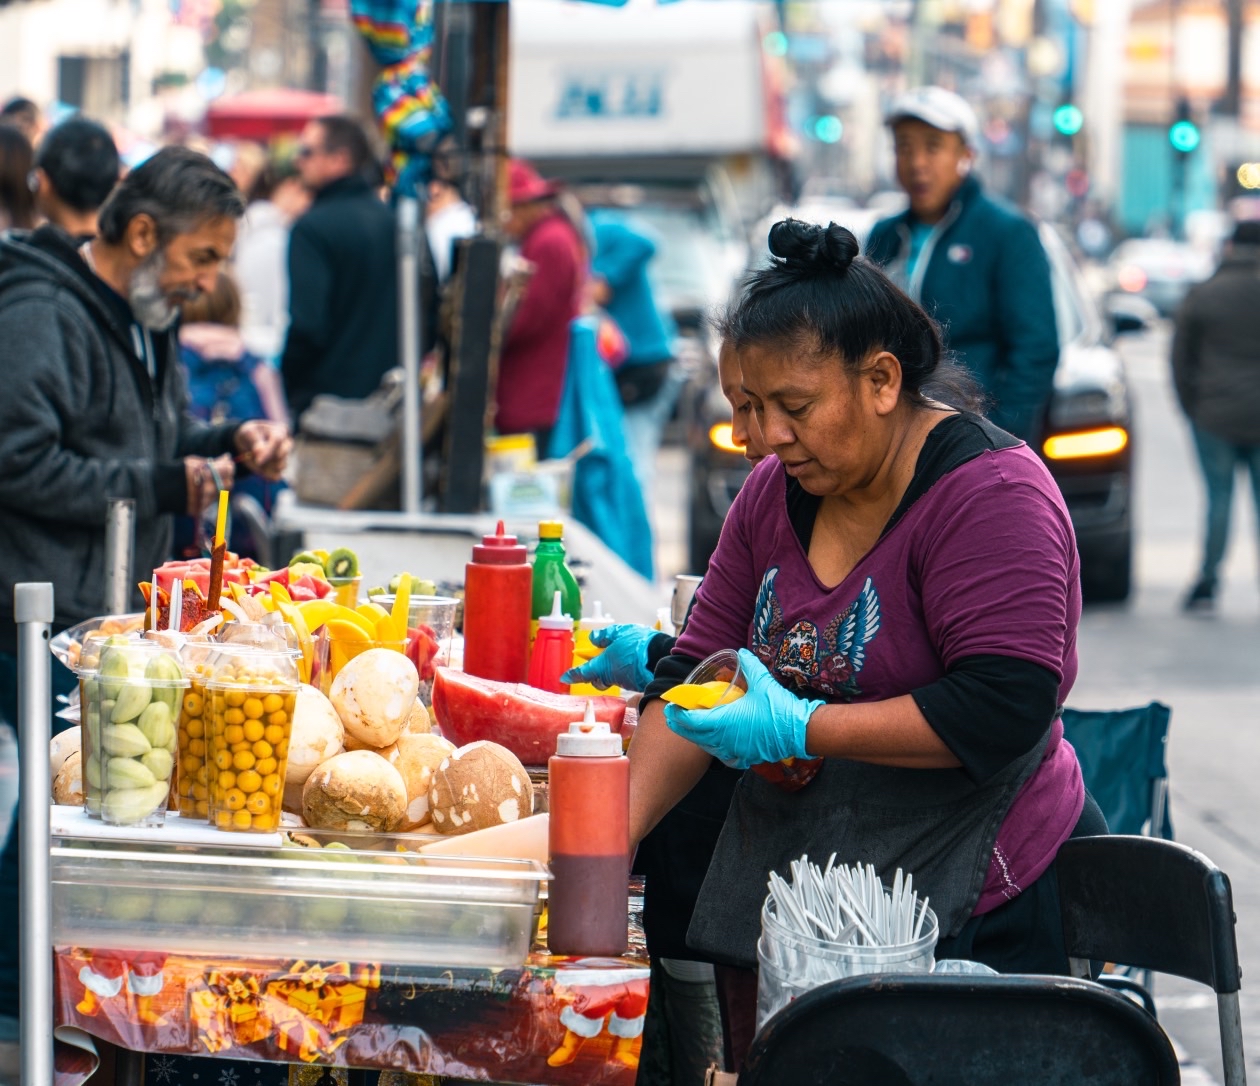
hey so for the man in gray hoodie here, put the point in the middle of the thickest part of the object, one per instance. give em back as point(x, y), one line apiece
point(94, 407)
point(1216, 371)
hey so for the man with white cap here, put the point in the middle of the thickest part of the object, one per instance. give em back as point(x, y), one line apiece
point(975, 262)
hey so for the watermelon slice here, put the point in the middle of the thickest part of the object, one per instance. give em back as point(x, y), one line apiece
point(522, 718)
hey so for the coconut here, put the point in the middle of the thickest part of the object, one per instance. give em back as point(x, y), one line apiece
point(478, 786)
point(418, 723)
point(355, 790)
point(317, 735)
point(416, 757)
point(374, 694)
point(67, 786)
point(61, 746)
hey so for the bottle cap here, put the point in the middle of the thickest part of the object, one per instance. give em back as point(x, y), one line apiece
point(589, 738)
point(597, 621)
point(500, 549)
point(557, 620)
point(551, 529)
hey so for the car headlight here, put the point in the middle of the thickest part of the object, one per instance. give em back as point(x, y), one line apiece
point(1104, 441)
point(722, 435)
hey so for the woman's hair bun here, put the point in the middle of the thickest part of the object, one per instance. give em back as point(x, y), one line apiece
point(806, 247)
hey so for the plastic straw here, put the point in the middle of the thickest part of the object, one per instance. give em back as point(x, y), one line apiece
point(177, 606)
point(153, 603)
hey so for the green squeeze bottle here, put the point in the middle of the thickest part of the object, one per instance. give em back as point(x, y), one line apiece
point(551, 575)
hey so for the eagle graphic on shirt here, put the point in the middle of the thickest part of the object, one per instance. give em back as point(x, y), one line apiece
point(806, 660)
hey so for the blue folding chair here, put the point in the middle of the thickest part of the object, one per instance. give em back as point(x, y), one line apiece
point(1122, 759)
point(1121, 752)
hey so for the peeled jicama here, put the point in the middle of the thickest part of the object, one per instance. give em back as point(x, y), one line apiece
point(374, 694)
point(317, 734)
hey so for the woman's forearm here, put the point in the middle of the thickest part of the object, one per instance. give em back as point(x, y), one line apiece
point(664, 767)
point(892, 732)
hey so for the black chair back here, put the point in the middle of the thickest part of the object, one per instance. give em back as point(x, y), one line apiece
point(915, 1030)
point(1158, 905)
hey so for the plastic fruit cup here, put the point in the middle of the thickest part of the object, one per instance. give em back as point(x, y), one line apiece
point(437, 613)
point(130, 709)
point(252, 695)
point(346, 590)
point(192, 782)
point(722, 666)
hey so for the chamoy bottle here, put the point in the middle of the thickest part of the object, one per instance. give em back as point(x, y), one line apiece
point(551, 575)
point(584, 650)
point(552, 654)
point(498, 585)
point(589, 839)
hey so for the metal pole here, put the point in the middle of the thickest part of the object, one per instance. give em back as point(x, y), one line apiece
point(120, 525)
point(409, 347)
point(33, 612)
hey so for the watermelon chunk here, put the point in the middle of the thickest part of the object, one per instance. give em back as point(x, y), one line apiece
point(522, 718)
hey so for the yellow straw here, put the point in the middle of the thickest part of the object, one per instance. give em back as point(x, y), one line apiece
point(221, 526)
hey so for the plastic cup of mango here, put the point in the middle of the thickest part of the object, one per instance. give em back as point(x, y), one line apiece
point(250, 698)
point(131, 703)
point(716, 680)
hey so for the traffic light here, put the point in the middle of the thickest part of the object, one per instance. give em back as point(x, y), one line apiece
point(1183, 133)
point(1068, 119)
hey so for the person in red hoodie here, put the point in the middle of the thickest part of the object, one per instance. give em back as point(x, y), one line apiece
point(535, 350)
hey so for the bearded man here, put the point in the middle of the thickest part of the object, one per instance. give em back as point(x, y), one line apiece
point(94, 407)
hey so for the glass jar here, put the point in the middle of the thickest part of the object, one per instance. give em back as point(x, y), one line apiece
point(130, 710)
point(252, 693)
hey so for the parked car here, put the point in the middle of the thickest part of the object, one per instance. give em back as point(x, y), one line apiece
point(1088, 443)
point(1158, 269)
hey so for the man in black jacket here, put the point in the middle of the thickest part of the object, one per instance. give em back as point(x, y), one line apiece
point(94, 407)
point(343, 280)
point(1216, 371)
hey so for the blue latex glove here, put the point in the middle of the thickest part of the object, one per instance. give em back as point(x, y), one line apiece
point(766, 725)
point(623, 661)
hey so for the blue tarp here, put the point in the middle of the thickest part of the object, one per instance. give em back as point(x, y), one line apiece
point(606, 496)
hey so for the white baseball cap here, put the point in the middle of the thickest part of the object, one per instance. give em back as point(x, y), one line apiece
point(941, 109)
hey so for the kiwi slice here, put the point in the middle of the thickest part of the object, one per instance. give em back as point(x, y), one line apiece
point(342, 564)
point(305, 556)
point(395, 581)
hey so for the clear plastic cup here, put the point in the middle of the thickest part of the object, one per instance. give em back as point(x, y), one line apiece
point(252, 694)
point(790, 964)
point(721, 666)
point(130, 708)
point(192, 781)
point(430, 629)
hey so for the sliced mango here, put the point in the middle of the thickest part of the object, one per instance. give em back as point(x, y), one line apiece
point(320, 612)
point(402, 607)
point(306, 643)
point(279, 593)
point(702, 695)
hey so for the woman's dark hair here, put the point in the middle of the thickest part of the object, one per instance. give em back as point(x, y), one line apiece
point(819, 297)
point(17, 201)
point(272, 176)
point(81, 161)
point(178, 188)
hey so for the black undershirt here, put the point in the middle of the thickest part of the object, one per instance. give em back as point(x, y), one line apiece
point(988, 709)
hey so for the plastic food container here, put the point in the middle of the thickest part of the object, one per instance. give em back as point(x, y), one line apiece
point(130, 706)
point(294, 902)
point(67, 646)
point(721, 666)
point(790, 964)
point(252, 693)
point(430, 629)
point(192, 782)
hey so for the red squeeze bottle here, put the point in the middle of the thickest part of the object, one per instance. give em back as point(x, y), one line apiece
point(552, 654)
point(498, 592)
point(589, 834)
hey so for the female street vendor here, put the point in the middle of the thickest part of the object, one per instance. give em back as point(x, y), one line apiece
point(902, 581)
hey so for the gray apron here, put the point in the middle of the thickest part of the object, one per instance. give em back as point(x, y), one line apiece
point(935, 824)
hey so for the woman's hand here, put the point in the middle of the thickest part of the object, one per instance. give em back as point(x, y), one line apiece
point(766, 725)
point(623, 661)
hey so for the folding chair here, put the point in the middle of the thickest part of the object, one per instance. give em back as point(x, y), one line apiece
point(920, 1029)
point(1157, 905)
point(1122, 759)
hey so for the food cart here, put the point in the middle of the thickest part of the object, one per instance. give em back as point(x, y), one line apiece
point(182, 940)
